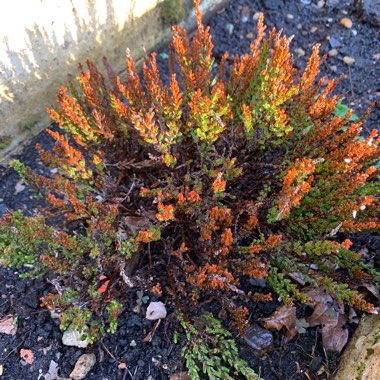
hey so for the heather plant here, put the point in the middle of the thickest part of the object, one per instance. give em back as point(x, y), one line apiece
point(192, 187)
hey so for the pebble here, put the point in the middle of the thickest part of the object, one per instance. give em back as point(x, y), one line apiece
point(256, 16)
point(346, 22)
point(305, 2)
point(354, 32)
point(348, 60)
point(290, 16)
point(334, 42)
point(19, 188)
point(258, 338)
point(72, 338)
point(300, 52)
point(313, 29)
point(334, 68)
point(320, 4)
point(156, 310)
point(83, 366)
point(249, 35)
point(230, 28)
point(299, 26)
point(333, 53)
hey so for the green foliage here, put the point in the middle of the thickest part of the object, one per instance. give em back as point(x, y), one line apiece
point(211, 350)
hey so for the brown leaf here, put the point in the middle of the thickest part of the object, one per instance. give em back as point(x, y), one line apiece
point(334, 336)
point(102, 289)
point(285, 316)
point(323, 315)
point(27, 356)
point(7, 326)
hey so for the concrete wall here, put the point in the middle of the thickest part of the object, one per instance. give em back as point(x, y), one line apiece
point(42, 42)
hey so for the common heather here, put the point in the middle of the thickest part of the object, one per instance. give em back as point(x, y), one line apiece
point(191, 188)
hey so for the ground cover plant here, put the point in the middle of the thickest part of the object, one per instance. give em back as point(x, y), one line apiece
point(218, 177)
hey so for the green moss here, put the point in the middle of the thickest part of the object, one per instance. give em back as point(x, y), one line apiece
point(5, 141)
point(172, 12)
point(360, 369)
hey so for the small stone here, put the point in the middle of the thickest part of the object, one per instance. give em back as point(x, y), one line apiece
point(299, 26)
point(83, 366)
point(320, 4)
point(249, 35)
point(333, 53)
point(346, 22)
point(334, 68)
point(19, 188)
point(334, 42)
point(330, 19)
point(229, 28)
point(354, 32)
point(348, 60)
point(305, 2)
point(256, 16)
point(300, 52)
point(290, 16)
point(156, 310)
point(72, 338)
point(313, 29)
point(259, 339)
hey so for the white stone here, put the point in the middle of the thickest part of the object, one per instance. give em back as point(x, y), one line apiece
point(156, 310)
point(72, 338)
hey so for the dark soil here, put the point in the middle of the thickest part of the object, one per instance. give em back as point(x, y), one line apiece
point(304, 357)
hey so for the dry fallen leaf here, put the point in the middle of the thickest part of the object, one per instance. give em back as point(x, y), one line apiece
point(334, 336)
point(102, 289)
point(8, 326)
point(27, 356)
point(285, 316)
point(330, 315)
